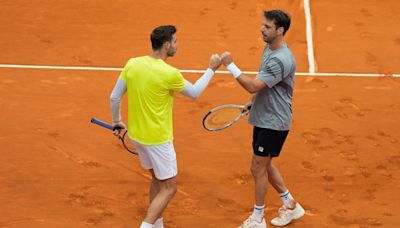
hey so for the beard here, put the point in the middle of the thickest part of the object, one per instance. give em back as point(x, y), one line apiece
point(171, 52)
point(269, 39)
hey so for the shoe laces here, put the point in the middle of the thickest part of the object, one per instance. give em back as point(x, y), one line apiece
point(283, 212)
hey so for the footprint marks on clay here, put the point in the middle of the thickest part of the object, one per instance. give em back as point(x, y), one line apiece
point(74, 158)
point(381, 137)
point(388, 136)
point(230, 205)
point(223, 30)
point(384, 171)
point(366, 13)
point(326, 139)
point(99, 218)
point(99, 210)
point(340, 112)
point(364, 171)
point(54, 135)
point(186, 206)
point(311, 138)
point(316, 81)
point(346, 107)
point(326, 177)
point(349, 154)
point(358, 24)
point(199, 107)
point(371, 59)
point(90, 164)
point(233, 5)
point(387, 214)
point(329, 178)
point(343, 218)
point(394, 160)
point(82, 60)
point(308, 166)
point(370, 194)
point(241, 179)
point(204, 11)
point(253, 50)
point(253, 12)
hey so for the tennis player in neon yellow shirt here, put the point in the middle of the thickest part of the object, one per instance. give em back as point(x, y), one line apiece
point(151, 84)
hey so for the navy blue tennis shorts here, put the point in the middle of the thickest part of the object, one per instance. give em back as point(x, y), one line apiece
point(268, 142)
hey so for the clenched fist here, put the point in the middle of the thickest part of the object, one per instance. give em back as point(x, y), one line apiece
point(215, 62)
point(226, 58)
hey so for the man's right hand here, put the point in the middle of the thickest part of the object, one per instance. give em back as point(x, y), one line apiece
point(215, 62)
point(247, 106)
point(118, 126)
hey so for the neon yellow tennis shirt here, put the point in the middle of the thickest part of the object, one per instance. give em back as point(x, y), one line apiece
point(150, 87)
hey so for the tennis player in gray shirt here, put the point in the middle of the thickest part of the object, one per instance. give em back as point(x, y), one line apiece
point(271, 116)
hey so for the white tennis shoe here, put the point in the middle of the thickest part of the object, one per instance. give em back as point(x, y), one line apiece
point(287, 215)
point(252, 223)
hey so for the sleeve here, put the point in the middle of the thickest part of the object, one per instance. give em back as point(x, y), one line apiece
point(194, 91)
point(176, 82)
point(115, 100)
point(272, 73)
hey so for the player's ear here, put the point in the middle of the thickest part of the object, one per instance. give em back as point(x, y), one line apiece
point(281, 30)
point(167, 45)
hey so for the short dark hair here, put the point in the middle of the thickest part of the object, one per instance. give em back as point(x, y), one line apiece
point(160, 35)
point(280, 18)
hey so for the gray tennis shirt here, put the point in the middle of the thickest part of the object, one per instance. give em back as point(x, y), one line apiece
point(272, 106)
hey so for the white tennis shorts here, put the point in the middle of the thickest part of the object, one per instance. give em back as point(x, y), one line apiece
point(161, 158)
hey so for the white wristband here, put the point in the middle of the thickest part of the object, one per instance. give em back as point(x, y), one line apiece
point(235, 71)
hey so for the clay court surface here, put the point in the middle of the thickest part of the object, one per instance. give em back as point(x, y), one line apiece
point(341, 159)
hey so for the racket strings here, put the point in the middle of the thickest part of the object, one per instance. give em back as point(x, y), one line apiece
point(221, 118)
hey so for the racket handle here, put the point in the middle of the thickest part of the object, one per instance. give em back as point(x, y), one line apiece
point(101, 123)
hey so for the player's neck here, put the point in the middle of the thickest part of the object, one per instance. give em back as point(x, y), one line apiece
point(278, 43)
point(158, 54)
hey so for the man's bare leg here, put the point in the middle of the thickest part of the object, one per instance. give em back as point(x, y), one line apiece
point(161, 198)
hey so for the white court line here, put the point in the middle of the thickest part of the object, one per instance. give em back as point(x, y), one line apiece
point(59, 67)
point(187, 71)
point(310, 47)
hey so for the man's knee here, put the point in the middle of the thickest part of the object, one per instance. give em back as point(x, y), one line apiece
point(169, 187)
point(260, 166)
point(172, 189)
point(257, 169)
point(254, 169)
point(270, 168)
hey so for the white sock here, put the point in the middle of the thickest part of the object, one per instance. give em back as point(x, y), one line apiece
point(258, 213)
point(287, 198)
point(146, 225)
point(159, 223)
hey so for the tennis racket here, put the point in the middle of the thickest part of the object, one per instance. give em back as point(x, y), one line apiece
point(223, 116)
point(124, 138)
